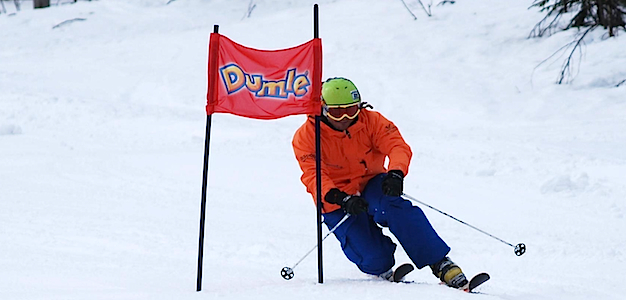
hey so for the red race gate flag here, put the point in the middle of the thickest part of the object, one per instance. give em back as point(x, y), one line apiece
point(263, 84)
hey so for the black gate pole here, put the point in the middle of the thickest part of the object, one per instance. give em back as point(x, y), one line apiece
point(318, 168)
point(205, 174)
point(318, 177)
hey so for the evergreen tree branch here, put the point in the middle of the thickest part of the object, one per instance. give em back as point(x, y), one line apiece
point(566, 72)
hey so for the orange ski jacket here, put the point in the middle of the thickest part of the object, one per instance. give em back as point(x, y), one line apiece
point(352, 157)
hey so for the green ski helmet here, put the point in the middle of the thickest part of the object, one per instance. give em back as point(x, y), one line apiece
point(340, 91)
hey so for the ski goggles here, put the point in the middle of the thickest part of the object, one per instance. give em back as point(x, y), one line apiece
point(340, 112)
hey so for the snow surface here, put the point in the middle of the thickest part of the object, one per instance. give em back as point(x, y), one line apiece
point(102, 129)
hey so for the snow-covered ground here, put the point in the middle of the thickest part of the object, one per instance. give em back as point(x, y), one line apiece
point(102, 136)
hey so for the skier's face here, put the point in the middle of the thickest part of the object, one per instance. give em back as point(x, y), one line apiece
point(341, 125)
point(342, 116)
point(342, 111)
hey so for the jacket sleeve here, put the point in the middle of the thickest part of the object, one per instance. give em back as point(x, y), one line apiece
point(389, 141)
point(304, 148)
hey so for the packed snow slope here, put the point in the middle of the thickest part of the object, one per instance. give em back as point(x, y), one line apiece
point(102, 128)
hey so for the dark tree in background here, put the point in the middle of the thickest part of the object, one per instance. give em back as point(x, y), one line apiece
point(41, 3)
point(610, 14)
point(587, 14)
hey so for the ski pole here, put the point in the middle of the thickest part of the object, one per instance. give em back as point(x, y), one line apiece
point(287, 272)
point(519, 248)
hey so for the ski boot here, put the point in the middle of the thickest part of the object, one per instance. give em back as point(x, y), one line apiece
point(449, 273)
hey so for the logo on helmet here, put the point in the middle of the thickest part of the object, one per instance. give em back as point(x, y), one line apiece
point(355, 95)
point(235, 79)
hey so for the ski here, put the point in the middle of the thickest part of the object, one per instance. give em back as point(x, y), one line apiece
point(476, 281)
point(402, 271)
point(470, 287)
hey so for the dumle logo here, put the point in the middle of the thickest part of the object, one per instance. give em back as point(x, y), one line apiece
point(235, 79)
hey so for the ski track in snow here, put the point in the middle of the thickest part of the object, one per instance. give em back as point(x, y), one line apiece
point(102, 135)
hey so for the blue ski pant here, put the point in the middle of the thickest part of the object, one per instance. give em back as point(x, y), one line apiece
point(363, 242)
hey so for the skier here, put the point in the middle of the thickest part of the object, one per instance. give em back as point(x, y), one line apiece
point(354, 143)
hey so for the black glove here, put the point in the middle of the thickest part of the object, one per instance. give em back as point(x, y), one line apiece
point(351, 204)
point(393, 182)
